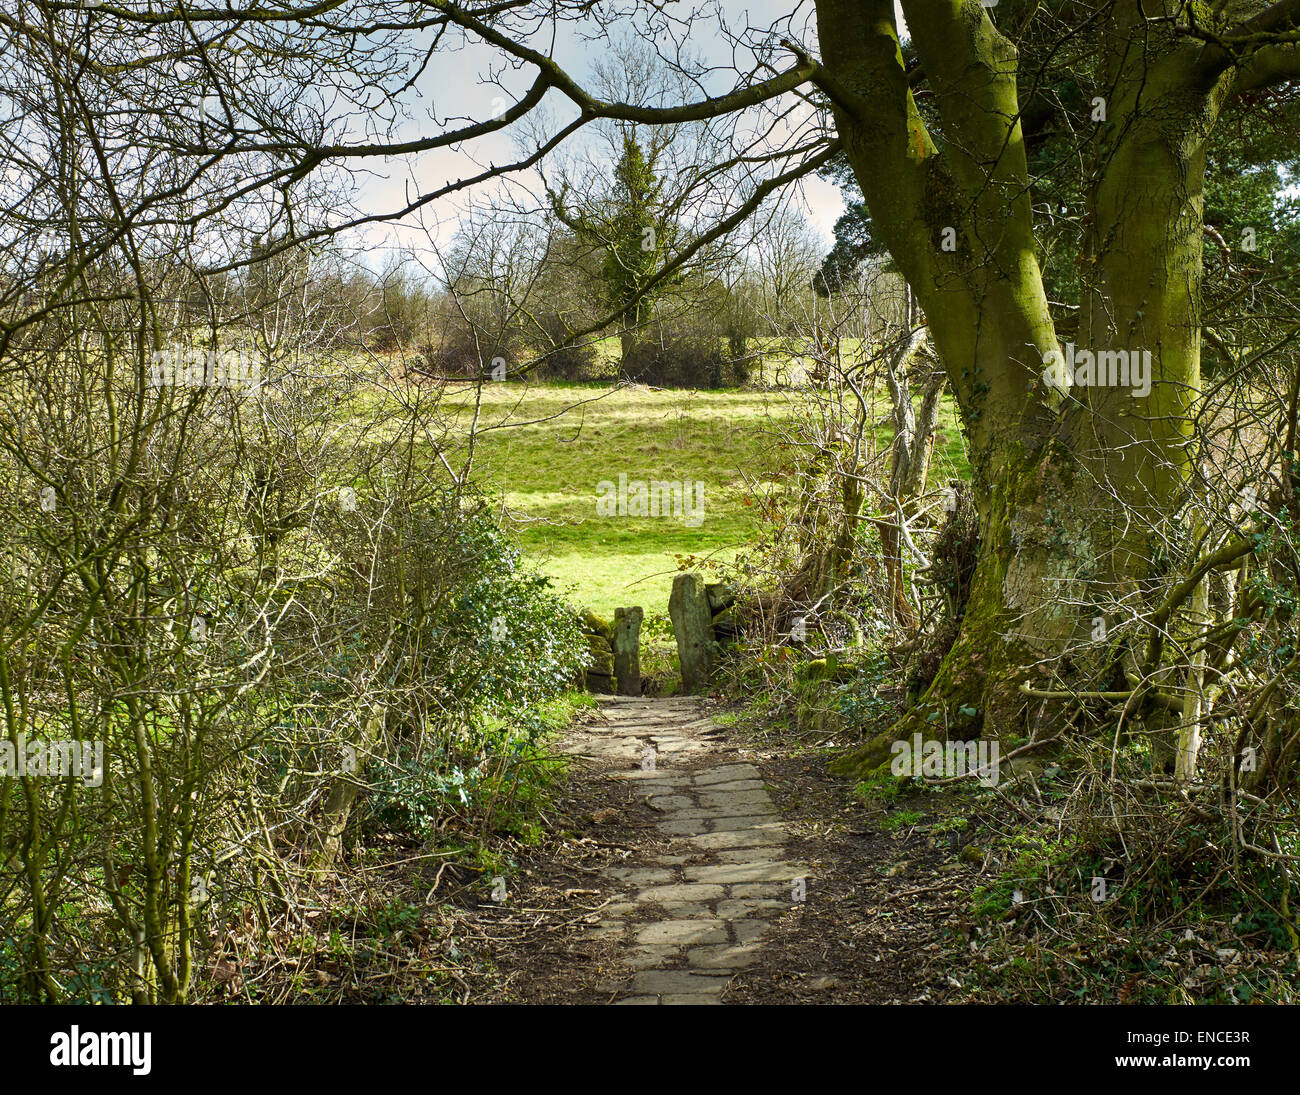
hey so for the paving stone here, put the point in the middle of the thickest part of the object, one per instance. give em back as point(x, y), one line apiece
point(678, 982)
point(640, 1000)
point(736, 908)
point(744, 809)
point(651, 957)
point(683, 931)
point(777, 891)
point(654, 777)
point(725, 773)
point(735, 785)
point(641, 876)
point(725, 956)
point(694, 998)
point(724, 873)
point(682, 892)
point(736, 838)
point(712, 799)
point(613, 753)
point(671, 802)
point(764, 853)
point(682, 910)
point(747, 931)
point(658, 787)
point(732, 824)
point(683, 827)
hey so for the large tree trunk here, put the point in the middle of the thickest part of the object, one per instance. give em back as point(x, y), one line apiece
point(628, 339)
point(1075, 492)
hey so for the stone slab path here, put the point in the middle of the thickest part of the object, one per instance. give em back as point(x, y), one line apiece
point(689, 917)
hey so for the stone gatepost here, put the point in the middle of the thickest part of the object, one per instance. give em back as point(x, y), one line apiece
point(626, 641)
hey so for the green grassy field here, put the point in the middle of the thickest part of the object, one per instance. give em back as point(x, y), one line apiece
point(564, 439)
point(547, 472)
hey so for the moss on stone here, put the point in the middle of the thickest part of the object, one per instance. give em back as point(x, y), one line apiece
point(595, 625)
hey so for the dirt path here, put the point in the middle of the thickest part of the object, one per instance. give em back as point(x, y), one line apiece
point(691, 866)
point(696, 912)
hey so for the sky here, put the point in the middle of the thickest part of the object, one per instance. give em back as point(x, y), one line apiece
point(453, 85)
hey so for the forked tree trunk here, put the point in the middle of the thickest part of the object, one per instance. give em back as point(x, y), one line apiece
point(1074, 494)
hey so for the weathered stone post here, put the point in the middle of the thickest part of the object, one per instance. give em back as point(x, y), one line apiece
point(693, 627)
point(599, 674)
point(626, 641)
point(722, 599)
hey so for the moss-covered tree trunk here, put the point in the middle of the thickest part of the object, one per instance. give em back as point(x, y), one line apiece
point(1075, 490)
